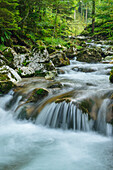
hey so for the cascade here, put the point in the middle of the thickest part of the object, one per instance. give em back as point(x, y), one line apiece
point(68, 116)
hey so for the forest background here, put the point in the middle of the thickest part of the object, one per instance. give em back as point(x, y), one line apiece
point(53, 20)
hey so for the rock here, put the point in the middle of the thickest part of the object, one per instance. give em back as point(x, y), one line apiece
point(111, 76)
point(9, 53)
point(90, 55)
point(84, 69)
point(51, 49)
point(4, 61)
point(10, 73)
point(25, 71)
point(54, 85)
point(50, 75)
point(67, 100)
point(20, 49)
point(36, 63)
point(8, 79)
point(59, 59)
point(109, 58)
point(37, 95)
point(60, 71)
point(41, 55)
point(6, 86)
point(71, 52)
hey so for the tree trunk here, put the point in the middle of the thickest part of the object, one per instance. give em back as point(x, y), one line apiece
point(86, 13)
point(93, 15)
point(75, 15)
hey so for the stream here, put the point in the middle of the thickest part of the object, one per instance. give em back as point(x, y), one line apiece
point(25, 145)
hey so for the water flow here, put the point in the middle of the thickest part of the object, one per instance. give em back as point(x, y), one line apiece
point(26, 146)
point(68, 116)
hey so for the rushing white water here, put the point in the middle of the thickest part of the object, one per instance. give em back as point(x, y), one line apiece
point(26, 146)
point(83, 145)
point(68, 116)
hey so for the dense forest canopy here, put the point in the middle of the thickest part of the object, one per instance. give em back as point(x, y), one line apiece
point(41, 19)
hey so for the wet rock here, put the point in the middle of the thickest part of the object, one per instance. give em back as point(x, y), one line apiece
point(60, 71)
point(84, 69)
point(50, 75)
point(111, 76)
point(67, 100)
point(37, 95)
point(59, 59)
point(54, 85)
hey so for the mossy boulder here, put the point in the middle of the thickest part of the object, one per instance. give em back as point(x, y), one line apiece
point(6, 86)
point(59, 59)
point(6, 80)
point(20, 49)
point(71, 52)
point(4, 61)
point(90, 55)
point(37, 95)
point(9, 53)
point(51, 49)
point(8, 74)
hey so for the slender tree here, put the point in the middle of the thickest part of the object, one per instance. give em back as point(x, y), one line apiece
point(93, 15)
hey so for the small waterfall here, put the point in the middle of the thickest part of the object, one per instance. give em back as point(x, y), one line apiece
point(69, 116)
point(64, 115)
point(101, 125)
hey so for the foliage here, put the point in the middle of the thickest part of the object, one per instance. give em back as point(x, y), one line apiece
point(28, 21)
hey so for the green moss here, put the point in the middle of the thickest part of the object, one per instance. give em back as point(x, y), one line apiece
point(40, 91)
point(5, 86)
point(111, 76)
point(3, 77)
point(25, 63)
point(39, 73)
point(19, 71)
point(86, 106)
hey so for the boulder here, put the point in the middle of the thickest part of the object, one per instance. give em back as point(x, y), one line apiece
point(71, 52)
point(37, 95)
point(54, 85)
point(25, 71)
point(50, 75)
point(36, 63)
point(59, 59)
point(9, 53)
point(90, 55)
point(20, 49)
point(8, 79)
point(84, 69)
point(6, 86)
